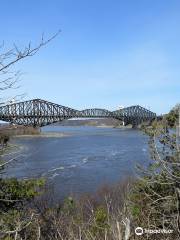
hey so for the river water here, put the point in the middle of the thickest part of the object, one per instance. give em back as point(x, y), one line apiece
point(81, 162)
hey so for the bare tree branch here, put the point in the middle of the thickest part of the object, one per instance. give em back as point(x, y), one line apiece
point(9, 78)
point(27, 52)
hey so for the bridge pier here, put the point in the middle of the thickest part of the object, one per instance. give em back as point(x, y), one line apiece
point(134, 126)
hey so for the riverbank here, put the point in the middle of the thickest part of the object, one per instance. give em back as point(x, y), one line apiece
point(13, 130)
point(10, 148)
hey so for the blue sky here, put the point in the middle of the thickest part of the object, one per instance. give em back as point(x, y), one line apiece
point(109, 52)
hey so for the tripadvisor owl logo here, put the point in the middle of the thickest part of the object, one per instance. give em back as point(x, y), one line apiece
point(139, 231)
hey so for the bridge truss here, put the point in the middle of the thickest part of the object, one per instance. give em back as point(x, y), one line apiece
point(39, 112)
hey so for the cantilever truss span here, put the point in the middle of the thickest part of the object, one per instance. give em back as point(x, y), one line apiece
point(39, 112)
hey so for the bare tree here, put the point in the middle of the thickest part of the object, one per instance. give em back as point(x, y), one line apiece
point(8, 80)
point(10, 77)
point(8, 58)
point(156, 196)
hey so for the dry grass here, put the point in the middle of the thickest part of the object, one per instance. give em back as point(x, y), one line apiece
point(102, 215)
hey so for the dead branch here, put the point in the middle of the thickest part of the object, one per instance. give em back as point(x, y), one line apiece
point(27, 52)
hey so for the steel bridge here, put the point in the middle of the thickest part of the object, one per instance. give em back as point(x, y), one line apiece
point(40, 113)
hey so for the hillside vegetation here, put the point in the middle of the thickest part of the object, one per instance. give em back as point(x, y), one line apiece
point(172, 116)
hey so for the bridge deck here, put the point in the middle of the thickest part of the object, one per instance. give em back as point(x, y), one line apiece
point(39, 112)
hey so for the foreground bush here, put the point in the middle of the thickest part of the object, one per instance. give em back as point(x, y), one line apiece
point(96, 216)
point(155, 198)
point(14, 197)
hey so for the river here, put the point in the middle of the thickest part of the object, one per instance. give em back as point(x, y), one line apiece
point(82, 161)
